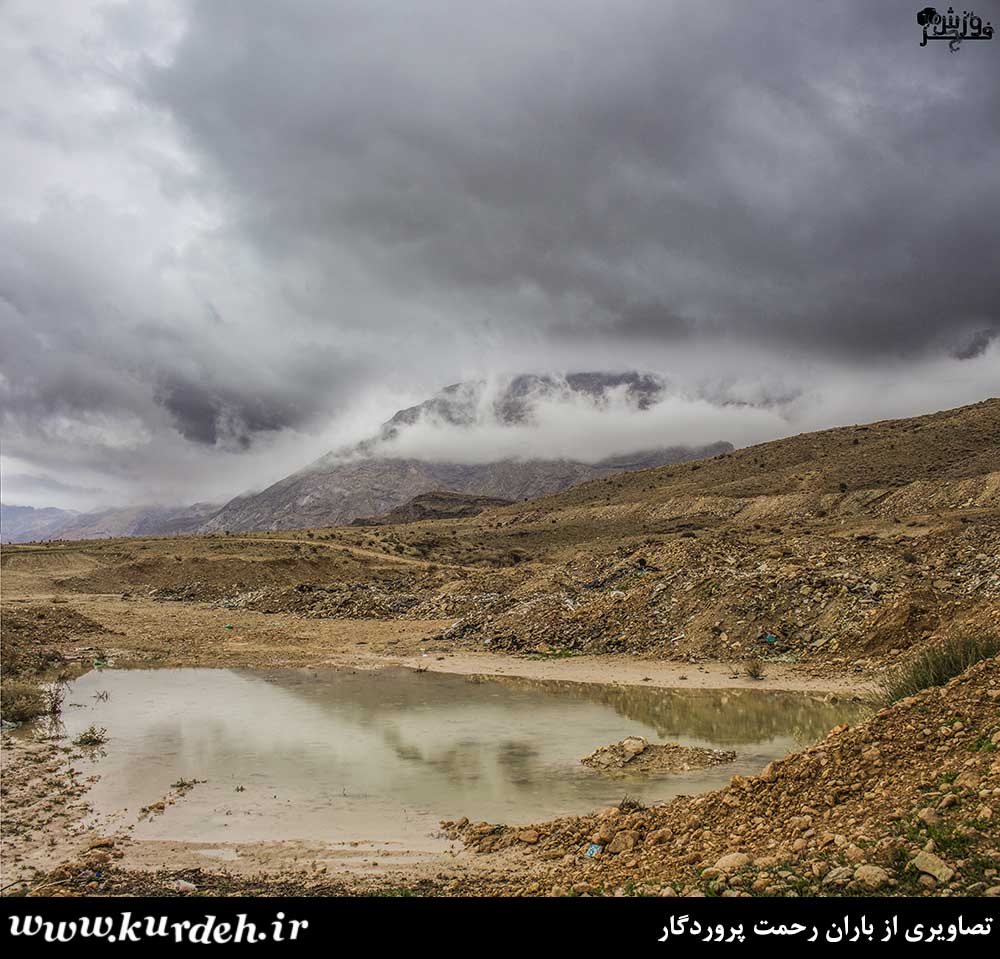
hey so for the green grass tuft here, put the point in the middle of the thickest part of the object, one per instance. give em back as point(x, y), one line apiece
point(934, 666)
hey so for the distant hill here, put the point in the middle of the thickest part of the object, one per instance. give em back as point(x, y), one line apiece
point(22, 524)
point(440, 504)
point(868, 461)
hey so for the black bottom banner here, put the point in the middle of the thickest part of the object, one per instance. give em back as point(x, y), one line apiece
point(451, 926)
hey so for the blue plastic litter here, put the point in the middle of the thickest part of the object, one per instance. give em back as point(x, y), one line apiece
point(593, 850)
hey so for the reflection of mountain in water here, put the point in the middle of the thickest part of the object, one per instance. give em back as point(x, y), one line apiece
point(375, 753)
point(725, 717)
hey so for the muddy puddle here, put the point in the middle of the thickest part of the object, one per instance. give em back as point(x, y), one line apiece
point(341, 756)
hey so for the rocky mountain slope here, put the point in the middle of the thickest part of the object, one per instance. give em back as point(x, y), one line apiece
point(371, 478)
point(333, 493)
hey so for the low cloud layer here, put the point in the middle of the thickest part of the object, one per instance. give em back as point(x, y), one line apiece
point(235, 234)
point(575, 426)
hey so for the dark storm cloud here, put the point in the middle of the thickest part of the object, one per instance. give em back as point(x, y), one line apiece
point(77, 339)
point(225, 224)
point(804, 175)
point(976, 345)
point(206, 414)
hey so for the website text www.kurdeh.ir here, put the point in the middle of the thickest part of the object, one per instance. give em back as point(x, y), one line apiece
point(126, 927)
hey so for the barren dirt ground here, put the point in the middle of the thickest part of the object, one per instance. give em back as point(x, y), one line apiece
point(140, 632)
point(45, 796)
point(826, 560)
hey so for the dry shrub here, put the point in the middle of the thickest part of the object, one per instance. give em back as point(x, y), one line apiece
point(21, 700)
point(755, 668)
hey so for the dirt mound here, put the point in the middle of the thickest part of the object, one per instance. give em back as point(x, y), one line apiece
point(861, 594)
point(906, 803)
point(634, 755)
point(440, 504)
point(32, 635)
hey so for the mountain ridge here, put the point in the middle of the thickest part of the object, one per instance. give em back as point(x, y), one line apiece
point(371, 479)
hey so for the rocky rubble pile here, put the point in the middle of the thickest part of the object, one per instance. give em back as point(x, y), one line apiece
point(906, 803)
point(634, 755)
point(858, 596)
point(729, 595)
point(349, 601)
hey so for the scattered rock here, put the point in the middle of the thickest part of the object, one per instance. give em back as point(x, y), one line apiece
point(932, 865)
point(732, 862)
point(625, 839)
point(874, 877)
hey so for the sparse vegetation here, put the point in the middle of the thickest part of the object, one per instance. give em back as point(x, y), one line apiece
point(755, 668)
point(22, 700)
point(934, 666)
point(92, 736)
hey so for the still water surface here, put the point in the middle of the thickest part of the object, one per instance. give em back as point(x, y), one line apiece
point(342, 755)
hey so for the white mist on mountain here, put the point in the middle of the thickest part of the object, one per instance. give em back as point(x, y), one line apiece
point(576, 426)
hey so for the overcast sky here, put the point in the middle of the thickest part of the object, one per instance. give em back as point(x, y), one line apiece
point(235, 233)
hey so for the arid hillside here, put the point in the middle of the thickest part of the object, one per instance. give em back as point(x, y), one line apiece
point(849, 546)
point(436, 505)
point(835, 562)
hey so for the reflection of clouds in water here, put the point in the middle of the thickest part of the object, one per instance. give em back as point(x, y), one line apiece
point(464, 763)
point(361, 751)
point(403, 750)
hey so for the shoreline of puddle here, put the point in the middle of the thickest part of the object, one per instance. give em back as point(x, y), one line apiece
point(354, 768)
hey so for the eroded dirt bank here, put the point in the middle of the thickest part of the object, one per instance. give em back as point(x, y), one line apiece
point(906, 803)
point(76, 631)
